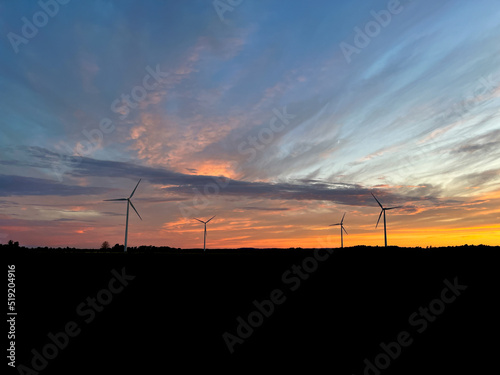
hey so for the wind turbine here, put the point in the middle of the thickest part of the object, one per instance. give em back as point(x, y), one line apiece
point(129, 203)
point(205, 233)
point(383, 212)
point(341, 229)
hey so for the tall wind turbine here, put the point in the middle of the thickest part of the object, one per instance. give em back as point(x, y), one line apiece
point(205, 233)
point(129, 203)
point(383, 212)
point(341, 231)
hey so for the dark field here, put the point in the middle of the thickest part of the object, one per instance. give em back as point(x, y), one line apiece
point(335, 310)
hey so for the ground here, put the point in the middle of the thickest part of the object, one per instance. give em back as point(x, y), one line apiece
point(298, 307)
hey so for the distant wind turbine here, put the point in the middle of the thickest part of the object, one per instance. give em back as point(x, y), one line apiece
point(383, 212)
point(129, 203)
point(205, 233)
point(341, 231)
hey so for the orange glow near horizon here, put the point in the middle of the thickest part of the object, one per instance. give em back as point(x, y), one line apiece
point(262, 223)
point(192, 237)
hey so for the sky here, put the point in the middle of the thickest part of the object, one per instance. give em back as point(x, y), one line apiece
point(278, 117)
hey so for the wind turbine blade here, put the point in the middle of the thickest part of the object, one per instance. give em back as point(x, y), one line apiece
point(345, 230)
point(341, 221)
point(114, 200)
point(199, 220)
point(211, 218)
point(392, 208)
point(379, 216)
point(131, 195)
point(135, 209)
point(377, 200)
point(331, 225)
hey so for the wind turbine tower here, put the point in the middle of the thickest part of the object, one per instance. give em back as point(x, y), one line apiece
point(129, 203)
point(205, 233)
point(383, 212)
point(342, 229)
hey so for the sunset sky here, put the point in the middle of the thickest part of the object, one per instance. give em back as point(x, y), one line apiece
point(302, 107)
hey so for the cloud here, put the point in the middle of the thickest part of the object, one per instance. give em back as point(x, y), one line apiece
point(482, 178)
point(266, 208)
point(485, 147)
point(11, 185)
point(300, 190)
point(185, 186)
point(484, 143)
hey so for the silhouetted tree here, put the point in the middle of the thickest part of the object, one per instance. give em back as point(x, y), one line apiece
point(118, 247)
point(105, 245)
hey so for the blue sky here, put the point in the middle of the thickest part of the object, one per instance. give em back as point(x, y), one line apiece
point(264, 95)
